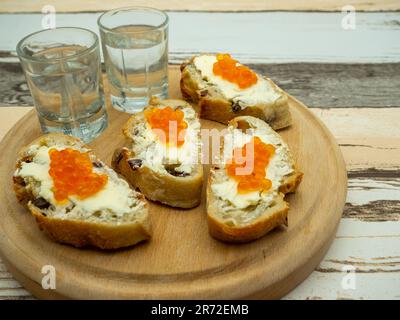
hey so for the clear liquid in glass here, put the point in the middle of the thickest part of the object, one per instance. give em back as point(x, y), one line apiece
point(68, 95)
point(136, 59)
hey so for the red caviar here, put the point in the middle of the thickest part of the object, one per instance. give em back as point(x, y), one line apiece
point(227, 68)
point(72, 173)
point(253, 158)
point(168, 124)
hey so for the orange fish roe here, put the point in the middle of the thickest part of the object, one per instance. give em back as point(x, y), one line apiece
point(72, 173)
point(257, 161)
point(226, 68)
point(167, 124)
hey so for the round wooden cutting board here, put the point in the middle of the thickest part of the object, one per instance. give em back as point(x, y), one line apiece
point(182, 260)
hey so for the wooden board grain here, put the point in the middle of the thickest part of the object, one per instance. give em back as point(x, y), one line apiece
point(371, 148)
point(182, 260)
point(204, 5)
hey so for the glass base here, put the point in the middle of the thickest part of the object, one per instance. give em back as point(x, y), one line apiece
point(133, 105)
point(86, 129)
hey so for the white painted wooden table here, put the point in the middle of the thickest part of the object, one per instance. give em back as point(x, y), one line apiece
point(350, 79)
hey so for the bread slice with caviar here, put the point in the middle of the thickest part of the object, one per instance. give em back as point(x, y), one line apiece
point(165, 166)
point(75, 198)
point(246, 190)
point(225, 89)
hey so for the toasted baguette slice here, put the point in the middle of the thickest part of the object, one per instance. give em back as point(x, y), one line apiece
point(172, 176)
point(221, 101)
point(114, 217)
point(235, 217)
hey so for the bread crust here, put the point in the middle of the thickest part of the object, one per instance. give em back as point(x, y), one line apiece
point(100, 235)
point(180, 192)
point(214, 106)
point(80, 233)
point(267, 221)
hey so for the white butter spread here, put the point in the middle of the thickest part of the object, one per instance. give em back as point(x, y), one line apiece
point(114, 196)
point(260, 92)
point(279, 166)
point(227, 190)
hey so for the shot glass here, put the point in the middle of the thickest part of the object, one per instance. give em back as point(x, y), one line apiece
point(63, 69)
point(135, 49)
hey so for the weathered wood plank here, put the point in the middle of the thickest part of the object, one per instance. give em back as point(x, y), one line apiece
point(10, 284)
point(370, 152)
point(13, 87)
point(377, 210)
point(373, 198)
point(376, 263)
point(16, 294)
point(370, 142)
point(373, 195)
point(338, 85)
point(366, 255)
point(9, 287)
point(369, 138)
point(325, 286)
point(260, 37)
point(13, 293)
point(18, 297)
point(316, 85)
point(362, 123)
point(354, 228)
point(204, 5)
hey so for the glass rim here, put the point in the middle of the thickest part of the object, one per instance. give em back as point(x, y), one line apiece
point(132, 8)
point(21, 53)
